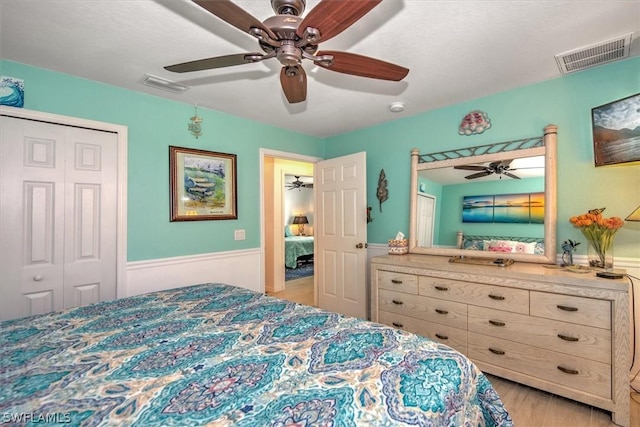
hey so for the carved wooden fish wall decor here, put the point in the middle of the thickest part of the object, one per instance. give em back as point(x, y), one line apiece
point(382, 193)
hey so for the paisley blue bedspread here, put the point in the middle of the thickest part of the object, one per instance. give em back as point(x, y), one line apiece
point(218, 355)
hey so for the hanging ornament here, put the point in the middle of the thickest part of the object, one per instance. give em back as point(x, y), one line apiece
point(195, 126)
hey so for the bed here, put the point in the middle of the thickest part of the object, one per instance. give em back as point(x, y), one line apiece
point(523, 245)
point(215, 354)
point(297, 248)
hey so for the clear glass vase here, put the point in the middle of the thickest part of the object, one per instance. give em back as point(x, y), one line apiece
point(600, 257)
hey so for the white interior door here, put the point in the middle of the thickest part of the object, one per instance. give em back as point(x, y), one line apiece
point(425, 216)
point(58, 200)
point(341, 234)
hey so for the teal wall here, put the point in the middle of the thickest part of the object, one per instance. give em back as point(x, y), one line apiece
point(155, 123)
point(565, 101)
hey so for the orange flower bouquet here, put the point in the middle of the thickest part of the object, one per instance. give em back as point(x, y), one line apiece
point(599, 232)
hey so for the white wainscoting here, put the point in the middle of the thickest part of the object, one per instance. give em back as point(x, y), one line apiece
point(240, 268)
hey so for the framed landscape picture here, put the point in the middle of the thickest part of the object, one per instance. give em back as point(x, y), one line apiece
point(202, 185)
point(616, 131)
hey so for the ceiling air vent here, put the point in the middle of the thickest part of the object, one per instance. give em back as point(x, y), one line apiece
point(590, 56)
point(163, 84)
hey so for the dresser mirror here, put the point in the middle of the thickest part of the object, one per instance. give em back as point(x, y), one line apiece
point(495, 201)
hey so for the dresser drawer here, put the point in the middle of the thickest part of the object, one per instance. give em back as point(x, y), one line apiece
point(568, 308)
point(448, 335)
point(569, 371)
point(402, 282)
point(431, 309)
point(499, 297)
point(568, 338)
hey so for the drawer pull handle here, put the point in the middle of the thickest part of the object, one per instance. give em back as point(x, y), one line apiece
point(497, 323)
point(442, 337)
point(568, 371)
point(397, 325)
point(496, 351)
point(496, 297)
point(439, 311)
point(567, 308)
point(567, 338)
point(396, 281)
point(441, 288)
point(396, 302)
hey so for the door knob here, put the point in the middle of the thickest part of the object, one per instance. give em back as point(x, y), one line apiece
point(37, 278)
point(362, 245)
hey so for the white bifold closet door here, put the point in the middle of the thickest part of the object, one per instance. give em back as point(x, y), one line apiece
point(58, 207)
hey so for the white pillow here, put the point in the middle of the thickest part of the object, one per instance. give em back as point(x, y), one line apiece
point(525, 247)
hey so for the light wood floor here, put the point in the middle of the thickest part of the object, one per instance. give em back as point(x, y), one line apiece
point(527, 406)
point(530, 407)
point(298, 290)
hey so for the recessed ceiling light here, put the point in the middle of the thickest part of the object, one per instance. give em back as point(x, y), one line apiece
point(396, 107)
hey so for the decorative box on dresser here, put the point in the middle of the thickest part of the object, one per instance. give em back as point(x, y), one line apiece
point(563, 332)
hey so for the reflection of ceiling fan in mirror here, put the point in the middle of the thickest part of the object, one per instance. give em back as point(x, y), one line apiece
point(290, 38)
point(298, 184)
point(499, 168)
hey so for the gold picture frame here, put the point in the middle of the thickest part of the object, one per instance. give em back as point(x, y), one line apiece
point(203, 185)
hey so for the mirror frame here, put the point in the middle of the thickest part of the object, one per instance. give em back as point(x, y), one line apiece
point(547, 148)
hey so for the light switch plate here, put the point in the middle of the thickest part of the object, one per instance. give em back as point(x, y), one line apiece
point(239, 234)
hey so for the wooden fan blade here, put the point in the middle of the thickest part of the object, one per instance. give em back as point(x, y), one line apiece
point(216, 62)
point(234, 15)
point(470, 167)
point(332, 17)
point(363, 66)
point(294, 83)
point(478, 175)
point(510, 175)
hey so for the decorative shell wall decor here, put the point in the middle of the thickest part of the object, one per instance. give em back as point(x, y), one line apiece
point(382, 193)
point(474, 123)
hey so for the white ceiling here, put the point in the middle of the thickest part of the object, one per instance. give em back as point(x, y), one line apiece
point(456, 51)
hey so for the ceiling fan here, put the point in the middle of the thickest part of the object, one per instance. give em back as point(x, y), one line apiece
point(298, 184)
point(499, 168)
point(290, 38)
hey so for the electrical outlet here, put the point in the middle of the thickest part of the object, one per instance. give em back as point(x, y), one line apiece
point(239, 234)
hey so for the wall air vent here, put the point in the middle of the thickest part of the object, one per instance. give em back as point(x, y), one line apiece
point(597, 54)
point(163, 84)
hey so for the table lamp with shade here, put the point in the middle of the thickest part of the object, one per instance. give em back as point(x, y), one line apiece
point(634, 216)
point(301, 220)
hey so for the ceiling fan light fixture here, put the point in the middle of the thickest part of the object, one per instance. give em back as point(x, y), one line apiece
point(396, 107)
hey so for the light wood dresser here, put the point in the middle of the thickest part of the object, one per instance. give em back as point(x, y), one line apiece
point(562, 332)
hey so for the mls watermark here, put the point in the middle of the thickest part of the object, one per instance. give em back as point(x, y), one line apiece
point(35, 417)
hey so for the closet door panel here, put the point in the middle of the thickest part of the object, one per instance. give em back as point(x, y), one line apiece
point(90, 217)
point(31, 218)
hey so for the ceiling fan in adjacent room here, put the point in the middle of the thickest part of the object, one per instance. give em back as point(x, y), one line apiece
point(498, 168)
point(298, 184)
point(290, 38)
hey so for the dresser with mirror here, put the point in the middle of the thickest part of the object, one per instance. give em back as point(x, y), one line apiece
point(487, 284)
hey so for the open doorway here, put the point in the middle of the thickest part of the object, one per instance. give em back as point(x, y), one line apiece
point(298, 239)
point(288, 226)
